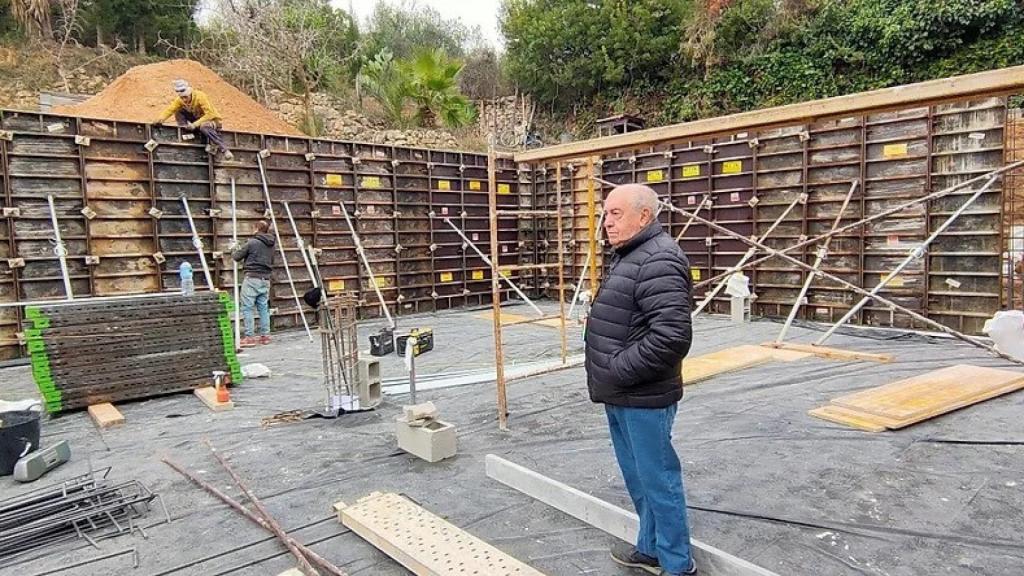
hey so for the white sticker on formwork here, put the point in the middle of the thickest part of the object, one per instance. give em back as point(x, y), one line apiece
point(976, 136)
point(952, 283)
point(54, 127)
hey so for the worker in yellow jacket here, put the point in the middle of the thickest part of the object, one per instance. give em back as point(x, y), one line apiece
point(193, 110)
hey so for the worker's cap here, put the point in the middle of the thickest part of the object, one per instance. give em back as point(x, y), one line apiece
point(182, 88)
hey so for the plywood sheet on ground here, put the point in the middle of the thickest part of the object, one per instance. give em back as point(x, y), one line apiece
point(424, 543)
point(513, 319)
point(698, 368)
point(912, 400)
point(831, 353)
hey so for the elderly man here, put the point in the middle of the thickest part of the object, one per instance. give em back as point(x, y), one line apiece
point(193, 110)
point(637, 334)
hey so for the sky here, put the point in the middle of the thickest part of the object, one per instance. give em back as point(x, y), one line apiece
point(482, 13)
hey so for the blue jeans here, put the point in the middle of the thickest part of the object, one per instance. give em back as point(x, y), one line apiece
point(256, 291)
point(642, 438)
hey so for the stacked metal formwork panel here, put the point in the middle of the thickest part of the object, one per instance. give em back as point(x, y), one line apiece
point(752, 178)
point(126, 231)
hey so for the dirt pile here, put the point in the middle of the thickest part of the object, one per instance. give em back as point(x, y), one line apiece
point(141, 93)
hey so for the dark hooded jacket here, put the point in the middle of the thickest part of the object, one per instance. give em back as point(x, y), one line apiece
point(257, 255)
point(639, 327)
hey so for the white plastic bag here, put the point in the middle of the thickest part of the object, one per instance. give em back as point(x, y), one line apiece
point(1006, 329)
point(255, 371)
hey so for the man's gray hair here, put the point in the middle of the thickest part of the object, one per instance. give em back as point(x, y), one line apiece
point(642, 197)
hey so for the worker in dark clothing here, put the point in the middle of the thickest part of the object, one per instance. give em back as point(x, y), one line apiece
point(638, 332)
point(193, 110)
point(257, 257)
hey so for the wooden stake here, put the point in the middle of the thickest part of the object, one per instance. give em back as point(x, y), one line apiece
point(499, 358)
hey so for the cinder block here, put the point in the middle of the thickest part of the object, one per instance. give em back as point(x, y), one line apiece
point(368, 385)
point(368, 370)
point(433, 442)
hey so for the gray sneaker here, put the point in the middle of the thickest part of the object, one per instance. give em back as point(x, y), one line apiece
point(690, 572)
point(627, 555)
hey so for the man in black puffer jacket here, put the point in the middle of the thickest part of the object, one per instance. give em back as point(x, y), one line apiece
point(637, 335)
point(257, 256)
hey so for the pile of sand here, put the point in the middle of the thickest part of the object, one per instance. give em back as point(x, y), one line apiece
point(141, 93)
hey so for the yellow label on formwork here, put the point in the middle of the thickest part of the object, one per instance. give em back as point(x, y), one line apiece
point(444, 185)
point(695, 273)
point(732, 167)
point(894, 150)
point(504, 189)
point(896, 282)
point(478, 274)
point(371, 182)
point(691, 170)
point(474, 184)
point(655, 176)
point(382, 282)
point(333, 180)
point(335, 285)
point(446, 276)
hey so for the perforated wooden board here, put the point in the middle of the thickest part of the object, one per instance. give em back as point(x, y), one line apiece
point(424, 543)
point(706, 366)
point(933, 393)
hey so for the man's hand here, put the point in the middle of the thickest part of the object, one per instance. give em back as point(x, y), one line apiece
point(233, 246)
point(191, 126)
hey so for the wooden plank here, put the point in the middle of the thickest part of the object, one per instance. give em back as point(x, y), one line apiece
point(105, 415)
point(920, 397)
point(908, 96)
point(208, 394)
point(831, 353)
point(705, 366)
point(608, 518)
point(424, 543)
point(513, 319)
point(851, 418)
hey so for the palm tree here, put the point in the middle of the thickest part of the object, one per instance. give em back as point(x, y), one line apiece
point(33, 16)
point(383, 81)
point(432, 79)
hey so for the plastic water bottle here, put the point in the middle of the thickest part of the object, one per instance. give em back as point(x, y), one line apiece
point(188, 287)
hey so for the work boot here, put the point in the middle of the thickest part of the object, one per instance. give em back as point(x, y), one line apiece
point(249, 342)
point(228, 155)
point(264, 340)
point(627, 555)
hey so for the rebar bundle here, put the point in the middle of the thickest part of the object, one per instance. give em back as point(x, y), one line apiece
point(88, 507)
point(339, 346)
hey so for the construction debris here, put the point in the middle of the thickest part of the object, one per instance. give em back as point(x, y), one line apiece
point(421, 433)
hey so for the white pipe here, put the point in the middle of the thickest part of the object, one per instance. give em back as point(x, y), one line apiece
point(280, 246)
point(366, 263)
point(750, 254)
point(501, 274)
point(198, 243)
point(234, 266)
point(302, 245)
point(822, 254)
point(916, 253)
point(60, 250)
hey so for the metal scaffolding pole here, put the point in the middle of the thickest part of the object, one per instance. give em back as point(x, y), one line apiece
point(60, 250)
point(888, 212)
point(366, 263)
point(280, 246)
point(749, 254)
point(197, 242)
point(853, 287)
point(822, 254)
point(916, 253)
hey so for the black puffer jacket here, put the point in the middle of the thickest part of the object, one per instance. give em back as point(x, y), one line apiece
point(639, 326)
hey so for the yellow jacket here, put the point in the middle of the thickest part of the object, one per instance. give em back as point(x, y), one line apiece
point(200, 107)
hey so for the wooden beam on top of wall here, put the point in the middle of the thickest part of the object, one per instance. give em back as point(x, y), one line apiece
point(993, 82)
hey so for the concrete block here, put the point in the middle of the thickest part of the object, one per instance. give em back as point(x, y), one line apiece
point(419, 411)
point(368, 370)
point(368, 385)
point(433, 442)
